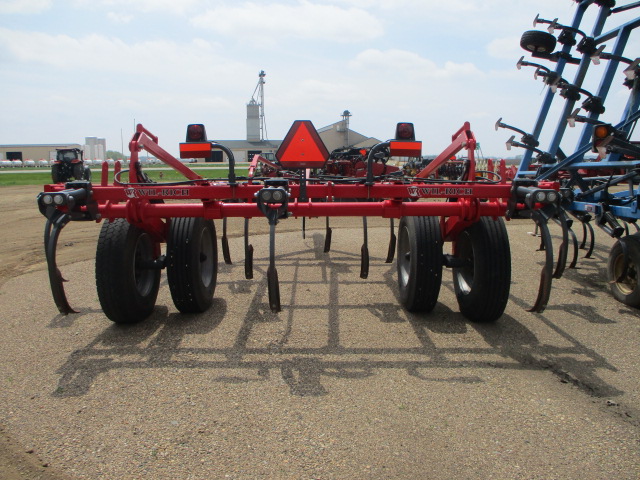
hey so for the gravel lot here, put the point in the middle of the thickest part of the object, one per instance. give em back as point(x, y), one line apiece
point(341, 384)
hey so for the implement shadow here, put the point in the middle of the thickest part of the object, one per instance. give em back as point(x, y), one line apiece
point(159, 341)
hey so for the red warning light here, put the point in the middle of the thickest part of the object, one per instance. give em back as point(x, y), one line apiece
point(302, 147)
point(405, 131)
point(196, 133)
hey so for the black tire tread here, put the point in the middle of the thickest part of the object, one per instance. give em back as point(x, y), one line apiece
point(118, 298)
point(57, 175)
point(182, 269)
point(423, 287)
point(633, 245)
point(539, 39)
point(489, 293)
point(78, 171)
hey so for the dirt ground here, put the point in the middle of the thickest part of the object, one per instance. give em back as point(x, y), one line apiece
point(21, 237)
point(21, 251)
point(21, 234)
point(343, 383)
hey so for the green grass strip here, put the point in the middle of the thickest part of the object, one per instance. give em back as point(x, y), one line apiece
point(42, 176)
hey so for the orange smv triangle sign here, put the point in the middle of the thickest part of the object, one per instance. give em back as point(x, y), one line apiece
point(302, 147)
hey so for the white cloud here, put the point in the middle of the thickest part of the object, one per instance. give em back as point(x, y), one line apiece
point(505, 48)
point(119, 17)
point(315, 94)
point(305, 20)
point(172, 6)
point(391, 60)
point(455, 10)
point(62, 50)
point(162, 83)
point(101, 53)
point(434, 62)
point(24, 6)
point(469, 20)
point(409, 63)
point(435, 6)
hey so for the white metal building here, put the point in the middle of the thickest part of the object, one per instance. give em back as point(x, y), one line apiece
point(33, 152)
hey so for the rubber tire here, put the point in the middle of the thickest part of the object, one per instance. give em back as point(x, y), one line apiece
point(627, 291)
point(192, 263)
point(535, 41)
point(126, 290)
point(59, 173)
point(419, 262)
point(78, 171)
point(55, 173)
point(482, 286)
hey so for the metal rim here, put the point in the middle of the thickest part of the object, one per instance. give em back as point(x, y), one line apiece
point(404, 256)
point(630, 282)
point(464, 251)
point(206, 265)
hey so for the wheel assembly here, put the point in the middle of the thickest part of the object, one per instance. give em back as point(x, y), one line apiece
point(127, 276)
point(63, 172)
point(623, 270)
point(483, 280)
point(536, 41)
point(57, 173)
point(79, 171)
point(419, 262)
point(192, 263)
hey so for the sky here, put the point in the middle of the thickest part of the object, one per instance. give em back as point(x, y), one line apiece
point(70, 69)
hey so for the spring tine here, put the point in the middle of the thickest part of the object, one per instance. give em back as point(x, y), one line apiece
point(536, 233)
point(225, 243)
point(274, 289)
point(546, 275)
point(584, 236)
point(592, 240)
point(248, 252)
point(392, 242)
point(364, 251)
point(327, 237)
point(272, 274)
point(635, 224)
point(52, 230)
point(626, 227)
point(574, 242)
point(304, 227)
point(564, 246)
point(364, 261)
